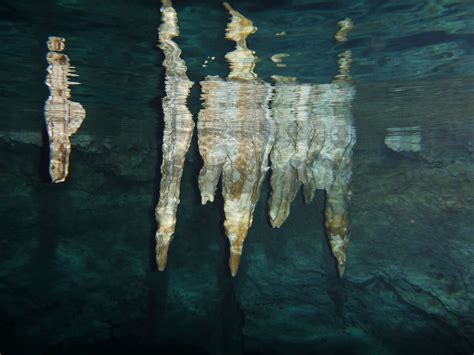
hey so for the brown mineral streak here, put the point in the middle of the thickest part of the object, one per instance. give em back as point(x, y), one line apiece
point(177, 134)
point(63, 117)
point(236, 132)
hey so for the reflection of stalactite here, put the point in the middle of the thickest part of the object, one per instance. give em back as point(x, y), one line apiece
point(63, 116)
point(236, 133)
point(313, 147)
point(345, 62)
point(177, 135)
point(331, 167)
point(290, 111)
point(242, 60)
point(404, 139)
point(345, 58)
point(345, 26)
point(334, 169)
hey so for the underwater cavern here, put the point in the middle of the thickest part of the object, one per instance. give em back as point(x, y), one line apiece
point(251, 177)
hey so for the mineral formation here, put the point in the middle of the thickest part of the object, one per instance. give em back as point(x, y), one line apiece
point(236, 133)
point(63, 116)
point(313, 147)
point(179, 126)
point(290, 109)
point(330, 160)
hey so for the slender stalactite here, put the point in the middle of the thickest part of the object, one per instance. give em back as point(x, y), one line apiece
point(177, 134)
point(341, 137)
point(331, 167)
point(236, 133)
point(63, 116)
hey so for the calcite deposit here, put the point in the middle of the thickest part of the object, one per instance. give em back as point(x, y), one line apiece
point(63, 116)
point(290, 109)
point(236, 133)
point(178, 131)
point(313, 147)
point(331, 167)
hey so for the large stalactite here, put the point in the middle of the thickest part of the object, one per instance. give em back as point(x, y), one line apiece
point(236, 133)
point(63, 116)
point(179, 127)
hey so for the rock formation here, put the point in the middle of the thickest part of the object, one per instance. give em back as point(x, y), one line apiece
point(177, 134)
point(313, 146)
point(236, 133)
point(290, 109)
point(332, 169)
point(330, 161)
point(63, 116)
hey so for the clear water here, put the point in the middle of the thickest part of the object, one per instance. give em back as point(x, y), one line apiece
point(77, 273)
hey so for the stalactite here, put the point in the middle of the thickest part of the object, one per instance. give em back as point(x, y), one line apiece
point(289, 107)
point(335, 158)
point(345, 62)
point(313, 147)
point(236, 133)
point(63, 116)
point(331, 167)
point(177, 134)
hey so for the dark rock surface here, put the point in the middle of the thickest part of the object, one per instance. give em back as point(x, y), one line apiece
point(77, 272)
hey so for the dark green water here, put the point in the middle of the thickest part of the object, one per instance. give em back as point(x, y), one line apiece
point(77, 273)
